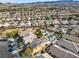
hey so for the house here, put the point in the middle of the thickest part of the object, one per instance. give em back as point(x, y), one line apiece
point(48, 22)
point(29, 18)
point(73, 22)
point(70, 37)
point(27, 36)
point(28, 24)
point(41, 22)
point(55, 22)
point(14, 24)
point(1, 25)
point(8, 19)
point(38, 49)
point(35, 43)
point(52, 29)
point(34, 23)
point(38, 45)
point(44, 55)
point(22, 24)
point(64, 30)
point(64, 22)
point(56, 26)
point(39, 56)
point(6, 24)
point(74, 26)
point(58, 52)
point(68, 45)
point(74, 31)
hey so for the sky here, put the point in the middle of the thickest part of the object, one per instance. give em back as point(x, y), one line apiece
point(25, 1)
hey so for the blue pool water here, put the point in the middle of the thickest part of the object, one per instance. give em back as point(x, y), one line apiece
point(51, 37)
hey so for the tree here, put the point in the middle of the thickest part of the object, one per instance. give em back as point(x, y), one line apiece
point(12, 34)
point(47, 18)
point(70, 18)
point(20, 43)
point(27, 52)
point(39, 32)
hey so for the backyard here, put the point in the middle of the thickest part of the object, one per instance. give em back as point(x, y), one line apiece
point(26, 53)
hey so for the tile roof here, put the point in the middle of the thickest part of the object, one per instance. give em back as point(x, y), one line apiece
point(60, 52)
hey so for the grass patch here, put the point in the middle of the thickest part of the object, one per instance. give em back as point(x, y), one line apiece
point(20, 43)
point(27, 53)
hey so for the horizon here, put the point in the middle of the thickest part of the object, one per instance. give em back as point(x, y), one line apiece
point(25, 1)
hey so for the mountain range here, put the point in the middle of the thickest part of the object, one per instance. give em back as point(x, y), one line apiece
point(59, 2)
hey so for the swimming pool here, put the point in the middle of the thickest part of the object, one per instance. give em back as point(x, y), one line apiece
point(51, 37)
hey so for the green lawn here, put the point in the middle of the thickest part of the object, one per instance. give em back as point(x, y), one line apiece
point(20, 45)
point(27, 53)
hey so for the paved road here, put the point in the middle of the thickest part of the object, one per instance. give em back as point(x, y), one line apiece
point(4, 53)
